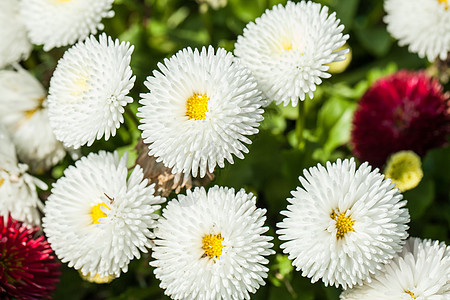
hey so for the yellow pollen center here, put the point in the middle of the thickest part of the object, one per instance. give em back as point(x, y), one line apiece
point(197, 106)
point(79, 84)
point(286, 44)
point(444, 1)
point(212, 245)
point(411, 294)
point(1, 181)
point(344, 223)
point(97, 213)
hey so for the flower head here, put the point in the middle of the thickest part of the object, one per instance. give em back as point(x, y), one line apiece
point(288, 48)
point(343, 224)
point(404, 111)
point(88, 91)
point(199, 111)
point(15, 45)
point(28, 268)
point(18, 192)
point(422, 25)
point(209, 245)
point(421, 272)
point(24, 114)
point(56, 23)
point(404, 168)
point(97, 278)
point(106, 216)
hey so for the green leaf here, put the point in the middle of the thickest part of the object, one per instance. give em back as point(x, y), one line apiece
point(333, 125)
point(247, 10)
point(376, 73)
point(437, 164)
point(375, 40)
point(274, 122)
point(289, 112)
point(132, 154)
point(332, 292)
point(346, 11)
point(284, 264)
point(178, 17)
point(340, 132)
point(420, 198)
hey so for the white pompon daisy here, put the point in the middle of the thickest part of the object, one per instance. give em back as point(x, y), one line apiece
point(56, 23)
point(200, 109)
point(343, 224)
point(421, 272)
point(88, 91)
point(97, 218)
point(422, 25)
point(18, 193)
point(15, 44)
point(23, 113)
point(209, 245)
point(288, 48)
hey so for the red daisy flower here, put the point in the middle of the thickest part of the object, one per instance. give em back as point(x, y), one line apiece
point(404, 111)
point(28, 268)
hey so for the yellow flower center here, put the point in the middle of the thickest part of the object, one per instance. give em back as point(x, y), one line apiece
point(212, 245)
point(344, 223)
point(1, 181)
point(286, 44)
point(97, 213)
point(197, 106)
point(79, 85)
point(444, 1)
point(411, 294)
point(97, 278)
point(404, 168)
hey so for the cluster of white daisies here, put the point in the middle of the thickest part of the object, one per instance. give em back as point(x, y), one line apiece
point(346, 226)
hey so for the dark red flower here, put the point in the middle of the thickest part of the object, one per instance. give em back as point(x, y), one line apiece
point(404, 111)
point(28, 268)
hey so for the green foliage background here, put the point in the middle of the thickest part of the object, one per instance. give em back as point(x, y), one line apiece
point(159, 28)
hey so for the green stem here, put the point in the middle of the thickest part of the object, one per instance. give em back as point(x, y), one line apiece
point(300, 125)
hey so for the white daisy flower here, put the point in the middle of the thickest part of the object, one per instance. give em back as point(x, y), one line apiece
point(421, 272)
point(104, 213)
point(210, 245)
point(88, 91)
point(18, 193)
point(200, 108)
point(422, 25)
point(288, 48)
point(343, 224)
point(23, 113)
point(14, 45)
point(56, 23)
